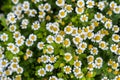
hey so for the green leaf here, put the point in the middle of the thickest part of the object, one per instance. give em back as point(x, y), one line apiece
point(9, 55)
point(20, 53)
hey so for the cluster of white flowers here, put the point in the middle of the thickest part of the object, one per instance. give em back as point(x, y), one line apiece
point(88, 38)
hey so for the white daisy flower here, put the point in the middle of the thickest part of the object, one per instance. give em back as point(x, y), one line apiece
point(66, 42)
point(53, 78)
point(32, 12)
point(3, 63)
point(45, 58)
point(12, 28)
point(83, 45)
point(40, 45)
point(80, 3)
point(112, 4)
point(50, 39)
point(77, 63)
point(67, 69)
point(42, 14)
point(103, 45)
point(47, 7)
point(29, 53)
point(98, 16)
point(16, 34)
point(29, 42)
point(60, 3)
point(14, 66)
point(90, 59)
point(114, 48)
point(90, 3)
point(42, 72)
point(52, 59)
point(62, 13)
point(101, 5)
point(94, 51)
point(68, 29)
point(49, 67)
point(108, 25)
point(26, 5)
point(4, 37)
point(36, 25)
point(67, 56)
point(116, 10)
point(10, 46)
point(79, 10)
point(84, 18)
point(41, 7)
point(91, 66)
point(76, 70)
point(19, 70)
point(15, 1)
point(15, 50)
point(32, 37)
point(115, 37)
point(68, 8)
point(115, 28)
point(50, 49)
point(58, 39)
point(19, 41)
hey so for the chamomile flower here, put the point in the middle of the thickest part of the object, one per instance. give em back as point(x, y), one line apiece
point(52, 59)
point(114, 48)
point(116, 10)
point(8, 72)
point(50, 49)
point(15, 50)
point(98, 16)
point(112, 4)
point(66, 42)
point(4, 63)
point(79, 50)
point(67, 69)
point(84, 18)
point(40, 45)
point(77, 63)
point(79, 10)
point(62, 13)
point(16, 34)
point(115, 28)
point(28, 42)
point(103, 45)
point(26, 5)
point(4, 37)
point(42, 14)
point(15, 60)
point(15, 1)
point(117, 77)
point(42, 72)
point(12, 28)
point(94, 51)
point(49, 67)
point(47, 7)
point(50, 39)
point(29, 53)
point(68, 8)
point(90, 35)
point(108, 25)
point(14, 66)
point(45, 58)
point(67, 56)
point(101, 5)
point(76, 70)
point(19, 70)
point(91, 66)
point(83, 45)
point(60, 3)
point(68, 29)
point(19, 41)
point(90, 59)
point(32, 37)
point(32, 12)
point(99, 60)
point(80, 3)
point(10, 46)
point(79, 75)
point(115, 65)
point(36, 25)
point(41, 7)
point(53, 78)
point(58, 39)
point(90, 3)
point(97, 38)
point(115, 37)
point(77, 39)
